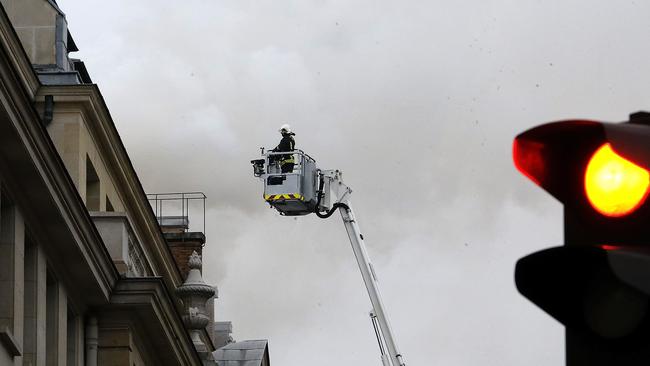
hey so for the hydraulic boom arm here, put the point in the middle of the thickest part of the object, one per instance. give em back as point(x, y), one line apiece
point(333, 185)
point(305, 189)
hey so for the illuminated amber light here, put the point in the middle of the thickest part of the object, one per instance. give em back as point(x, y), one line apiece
point(615, 186)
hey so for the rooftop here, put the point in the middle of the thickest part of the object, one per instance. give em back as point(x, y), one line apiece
point(244, 353)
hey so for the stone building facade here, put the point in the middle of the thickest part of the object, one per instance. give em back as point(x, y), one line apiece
point(86, 274)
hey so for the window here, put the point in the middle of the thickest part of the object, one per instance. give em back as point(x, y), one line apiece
point(109, 205)
point(7, 266)
point(92, 187)
point(6, 219)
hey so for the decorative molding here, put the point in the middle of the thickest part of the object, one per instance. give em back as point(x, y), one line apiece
point(195, 293)
point(131, 254)
point(32, 149)
point(151, 299)
point(88, 100)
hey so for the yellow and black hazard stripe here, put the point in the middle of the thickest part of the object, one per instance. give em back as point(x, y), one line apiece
point(288, 196)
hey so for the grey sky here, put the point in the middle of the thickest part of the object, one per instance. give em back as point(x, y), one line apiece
point(417, 102)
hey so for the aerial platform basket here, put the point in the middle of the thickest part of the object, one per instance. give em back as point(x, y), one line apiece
point(294, 193)
point(307, 189)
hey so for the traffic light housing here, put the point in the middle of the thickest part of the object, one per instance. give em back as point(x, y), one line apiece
point(598, 283)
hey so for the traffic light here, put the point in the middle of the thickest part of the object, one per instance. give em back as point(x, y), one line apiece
point(598, 283)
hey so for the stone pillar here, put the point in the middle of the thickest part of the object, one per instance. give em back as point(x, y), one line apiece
point(12, 260)
point(35, 298)
point(114, 347)
point(91, 341)
point(75, 342)
point(56, 323)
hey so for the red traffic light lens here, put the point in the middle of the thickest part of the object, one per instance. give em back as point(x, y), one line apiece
point(614, 185)
point(529, 159)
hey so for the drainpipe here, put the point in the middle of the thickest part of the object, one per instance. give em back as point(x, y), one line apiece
point(92, 340)
point(48, 112)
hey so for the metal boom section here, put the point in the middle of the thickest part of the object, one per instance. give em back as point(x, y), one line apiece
point(304, 190)
point(334, 183)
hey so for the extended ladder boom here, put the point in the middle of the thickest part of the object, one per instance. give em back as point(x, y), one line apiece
point(334, 185)
point(304, 189)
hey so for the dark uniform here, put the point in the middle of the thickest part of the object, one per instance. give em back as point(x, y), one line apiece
point(286, 144)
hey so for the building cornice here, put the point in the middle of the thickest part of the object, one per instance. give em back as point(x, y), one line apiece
point(52, 203)
point(88, 99)
point(155, 306)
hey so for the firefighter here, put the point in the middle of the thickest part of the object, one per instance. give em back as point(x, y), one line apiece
point(286, 144)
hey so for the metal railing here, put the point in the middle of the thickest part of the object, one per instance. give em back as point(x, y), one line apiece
point(274, 168)
point(295, 151)
point(176, 207)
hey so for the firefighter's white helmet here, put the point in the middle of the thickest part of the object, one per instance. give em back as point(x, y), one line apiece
point(285, 128)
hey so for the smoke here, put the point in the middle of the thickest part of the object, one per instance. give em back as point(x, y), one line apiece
point(417, 102)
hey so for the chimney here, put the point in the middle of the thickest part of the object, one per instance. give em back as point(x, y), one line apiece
point(173, 212)
point(181, 243)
